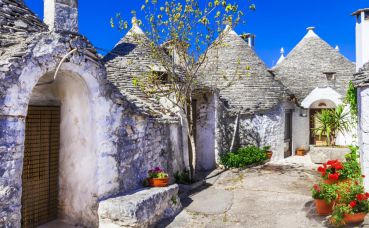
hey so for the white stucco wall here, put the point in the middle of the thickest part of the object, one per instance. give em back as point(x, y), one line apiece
point(300, 130)
point(363, 132)
point(205, 132)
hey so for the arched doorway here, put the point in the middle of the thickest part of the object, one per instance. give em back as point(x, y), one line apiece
point(314, 110)
point(60, 160)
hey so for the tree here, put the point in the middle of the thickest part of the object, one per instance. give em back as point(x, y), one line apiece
point(185, 30)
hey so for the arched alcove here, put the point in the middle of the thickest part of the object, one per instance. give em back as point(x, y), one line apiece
point(77, 158)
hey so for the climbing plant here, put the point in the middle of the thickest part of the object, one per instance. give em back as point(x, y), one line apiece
point(351, 100)
point(185, 30)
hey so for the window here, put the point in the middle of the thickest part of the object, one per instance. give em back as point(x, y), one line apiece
point(358, 18)
point(366, 15)
point(330, 75)
point(161, 77)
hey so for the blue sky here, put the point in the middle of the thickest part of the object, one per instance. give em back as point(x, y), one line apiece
point(276, 24)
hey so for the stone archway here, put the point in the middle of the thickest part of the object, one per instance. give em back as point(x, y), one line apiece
point(314, 109)
point(77, 166)
point(97, 118)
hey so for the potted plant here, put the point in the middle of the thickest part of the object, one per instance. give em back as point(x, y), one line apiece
point(269, 153)
point(324, 196)
point(329, 124)
point(330, 172)
point(158, 178)
point(352, 205)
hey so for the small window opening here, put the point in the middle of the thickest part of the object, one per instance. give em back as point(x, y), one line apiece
point(161, 77)
point(322, 104)
point(330, 75)
point(358, 18)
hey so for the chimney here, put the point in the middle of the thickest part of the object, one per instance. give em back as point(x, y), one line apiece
point(249, 38)
point(362, 37)
point(61, 15)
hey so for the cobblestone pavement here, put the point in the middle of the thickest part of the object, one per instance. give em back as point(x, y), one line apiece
point(275, 195)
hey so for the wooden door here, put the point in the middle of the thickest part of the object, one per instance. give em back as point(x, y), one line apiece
point(40, 166)
point(315, 139)
point(288, 134)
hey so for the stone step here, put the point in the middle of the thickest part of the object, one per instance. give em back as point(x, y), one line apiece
point(141, 208)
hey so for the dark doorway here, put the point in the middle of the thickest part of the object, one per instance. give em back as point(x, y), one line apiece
point(40, 166)
point(288, 134)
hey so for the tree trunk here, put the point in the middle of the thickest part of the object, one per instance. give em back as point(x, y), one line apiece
point(191, 139)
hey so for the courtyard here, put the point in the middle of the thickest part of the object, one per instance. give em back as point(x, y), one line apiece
point(274, 195)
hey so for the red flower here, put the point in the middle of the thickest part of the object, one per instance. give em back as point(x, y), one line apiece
point(316, 188)
point(357, 182)
point(361, 197)
point(352, 204)
point(363, 176)
point(333, 176)
point(331, 162)
point(337, 166)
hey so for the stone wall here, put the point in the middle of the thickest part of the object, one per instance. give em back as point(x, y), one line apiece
point(143, 145)
point(121, 144)
point(260, 129)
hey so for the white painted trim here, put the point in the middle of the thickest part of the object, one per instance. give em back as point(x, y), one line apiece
point(317, 94)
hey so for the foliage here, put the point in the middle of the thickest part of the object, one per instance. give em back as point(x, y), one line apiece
point(351, 99)
point(352, 200)
point(325, 192)
point(185, 31)
point(331, 122)
point(243, 157)
point(183, 177)
point(157, 172)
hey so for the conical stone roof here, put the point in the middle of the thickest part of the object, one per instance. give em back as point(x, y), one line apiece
point(252, 87)
point(306, 67)
point(130, 59)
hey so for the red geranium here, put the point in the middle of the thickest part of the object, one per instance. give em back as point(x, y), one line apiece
point(316, 187)
point(361, 197)
point(352, 204)
point(330, 170)
point(333, 176)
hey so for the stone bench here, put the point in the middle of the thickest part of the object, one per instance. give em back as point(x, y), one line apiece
point(142, 208)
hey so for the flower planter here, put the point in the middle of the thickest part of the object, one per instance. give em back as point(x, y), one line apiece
point(323, 208)
point(158, 182)
point(269, 154)
point(320, 155)
point(354, 218)
point(300, 152)
point(328, 181)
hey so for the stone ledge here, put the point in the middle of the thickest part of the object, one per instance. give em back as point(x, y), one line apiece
point(142, 208)
point(320, 155)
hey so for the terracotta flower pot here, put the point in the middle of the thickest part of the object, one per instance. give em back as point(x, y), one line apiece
point(329, 181)
point(158, 182)
point(323, 208)
point(300, 152)
point(354, 218)
point(269, 154)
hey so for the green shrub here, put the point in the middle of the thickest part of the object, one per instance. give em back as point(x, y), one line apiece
point(243, 157)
